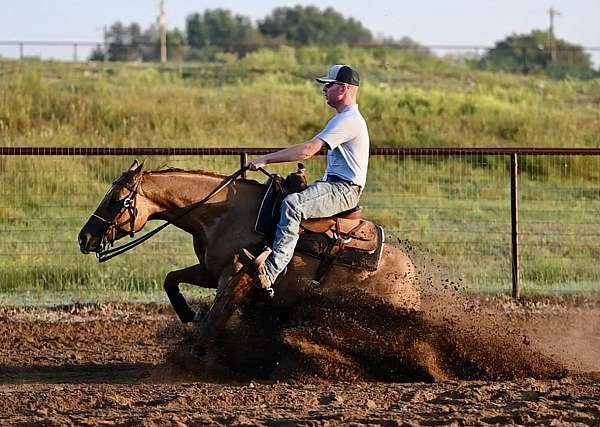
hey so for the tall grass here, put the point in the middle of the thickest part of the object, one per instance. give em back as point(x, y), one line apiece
point(131, 106)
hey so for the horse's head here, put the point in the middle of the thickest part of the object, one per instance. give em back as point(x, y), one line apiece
point(118, 214)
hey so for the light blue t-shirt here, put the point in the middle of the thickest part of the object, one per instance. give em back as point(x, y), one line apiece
point(347, 137)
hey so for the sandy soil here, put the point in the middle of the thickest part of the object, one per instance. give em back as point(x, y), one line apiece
point(130, 365)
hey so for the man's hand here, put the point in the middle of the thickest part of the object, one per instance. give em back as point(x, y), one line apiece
point(256, 164)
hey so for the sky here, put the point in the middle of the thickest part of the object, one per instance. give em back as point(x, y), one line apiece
point(429, 22)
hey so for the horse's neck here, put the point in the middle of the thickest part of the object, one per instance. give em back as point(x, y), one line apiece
point(173, 193)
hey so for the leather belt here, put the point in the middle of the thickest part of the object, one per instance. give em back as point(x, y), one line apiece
point(335, 178)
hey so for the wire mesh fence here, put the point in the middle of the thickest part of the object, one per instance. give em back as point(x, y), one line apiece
point(454, 205)
point(559, 222)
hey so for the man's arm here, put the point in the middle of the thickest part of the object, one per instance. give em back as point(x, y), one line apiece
point(291, 154)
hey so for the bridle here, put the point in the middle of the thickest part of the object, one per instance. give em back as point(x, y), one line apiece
point(128, 204)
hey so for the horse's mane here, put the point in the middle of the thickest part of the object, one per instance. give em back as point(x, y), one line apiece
point(199, 172)
point(179, 170)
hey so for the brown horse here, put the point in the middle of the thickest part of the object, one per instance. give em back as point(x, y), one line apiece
point(221, 227)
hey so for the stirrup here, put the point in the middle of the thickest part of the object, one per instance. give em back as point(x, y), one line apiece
point(255, 266)
point(269, 290)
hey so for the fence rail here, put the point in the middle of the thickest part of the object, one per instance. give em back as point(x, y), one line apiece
point(531, 212)
point(104, 45)
point(389, 151)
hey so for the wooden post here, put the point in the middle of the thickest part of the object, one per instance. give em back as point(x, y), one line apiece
point(105, 44)
point(243, 162)
point(514, 214)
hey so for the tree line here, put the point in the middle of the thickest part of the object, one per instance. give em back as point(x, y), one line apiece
point(220, 30)
point(209, 34)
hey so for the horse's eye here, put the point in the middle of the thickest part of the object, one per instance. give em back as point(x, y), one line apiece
point(115, 201)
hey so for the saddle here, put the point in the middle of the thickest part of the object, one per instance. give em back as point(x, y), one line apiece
point(345, 238)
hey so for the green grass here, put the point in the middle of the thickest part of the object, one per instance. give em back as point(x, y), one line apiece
point(460, 213)
point(133, 106)
point(458, 208)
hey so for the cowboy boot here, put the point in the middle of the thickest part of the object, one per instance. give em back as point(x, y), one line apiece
point(255, 267)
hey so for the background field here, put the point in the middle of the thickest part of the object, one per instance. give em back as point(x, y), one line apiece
point(455, 209)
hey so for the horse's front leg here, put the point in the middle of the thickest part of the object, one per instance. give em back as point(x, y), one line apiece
point(228, 297)
point(194, 275)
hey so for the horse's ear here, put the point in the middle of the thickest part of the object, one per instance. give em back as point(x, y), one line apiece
point(136, 166)
point(139, 168)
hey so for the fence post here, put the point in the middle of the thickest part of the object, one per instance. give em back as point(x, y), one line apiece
point(243, 162)
point(21, 51)
point(514, 214)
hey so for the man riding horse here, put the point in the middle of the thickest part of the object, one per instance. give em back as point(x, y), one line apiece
point(347, 140)
point(209, 207)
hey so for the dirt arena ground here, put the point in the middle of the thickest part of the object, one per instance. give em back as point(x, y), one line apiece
point(116, 365)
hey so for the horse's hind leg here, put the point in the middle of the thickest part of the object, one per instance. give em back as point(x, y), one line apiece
point(194, 275)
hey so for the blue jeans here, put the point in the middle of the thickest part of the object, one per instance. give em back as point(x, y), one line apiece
point(318, 200)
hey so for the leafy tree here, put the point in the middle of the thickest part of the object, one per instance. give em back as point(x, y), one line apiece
point(176, 45)
point(130, 43)
point(526, 53)
point(125, 43)
point(97, 54)
point(218, 27)
point(116, 37)
point(309, 25)
point(150, 50)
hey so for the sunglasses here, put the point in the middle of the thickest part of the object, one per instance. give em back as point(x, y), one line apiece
point(329, 84)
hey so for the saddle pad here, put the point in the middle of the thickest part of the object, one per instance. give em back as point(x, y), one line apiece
point(267, 217)
point(365, 255)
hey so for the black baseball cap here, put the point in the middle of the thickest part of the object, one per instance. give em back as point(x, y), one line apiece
point(341, 74)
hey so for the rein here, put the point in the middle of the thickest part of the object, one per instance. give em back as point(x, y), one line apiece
point(105, 255)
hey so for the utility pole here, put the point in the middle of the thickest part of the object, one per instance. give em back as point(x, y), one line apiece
point(162, 24)
point(553, 13)
point(105, 45)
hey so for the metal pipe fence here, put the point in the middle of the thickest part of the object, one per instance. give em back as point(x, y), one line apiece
point(499, 219)
point(79, 50)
